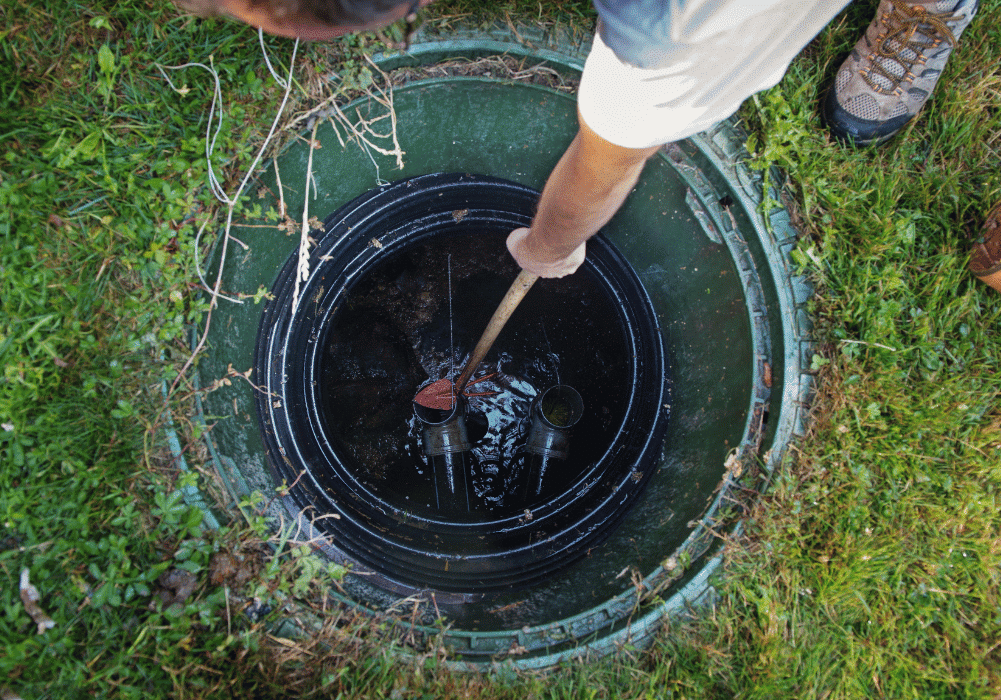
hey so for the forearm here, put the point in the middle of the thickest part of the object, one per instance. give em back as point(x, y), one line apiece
point(585, 189)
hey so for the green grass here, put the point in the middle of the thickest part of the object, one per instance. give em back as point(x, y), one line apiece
point(869, 569)
point(96, 243)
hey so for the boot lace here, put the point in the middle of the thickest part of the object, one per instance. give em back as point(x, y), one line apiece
point(910, 31)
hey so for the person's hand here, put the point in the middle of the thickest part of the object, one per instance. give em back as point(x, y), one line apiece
point(525, 254)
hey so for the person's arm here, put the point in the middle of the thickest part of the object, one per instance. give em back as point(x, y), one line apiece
point(585, 189)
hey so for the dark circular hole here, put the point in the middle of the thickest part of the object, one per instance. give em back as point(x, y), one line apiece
point(561, 406)
point(403, 281)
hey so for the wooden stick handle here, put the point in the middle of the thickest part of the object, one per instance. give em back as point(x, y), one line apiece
point(519, 288)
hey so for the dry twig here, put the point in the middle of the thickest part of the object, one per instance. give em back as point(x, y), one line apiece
point(302, 270)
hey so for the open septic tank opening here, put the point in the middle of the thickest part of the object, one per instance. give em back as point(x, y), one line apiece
point(681, 342)
point(338, 373)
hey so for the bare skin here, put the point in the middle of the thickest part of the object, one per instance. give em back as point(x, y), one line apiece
point(302, 26)
point(585, 189)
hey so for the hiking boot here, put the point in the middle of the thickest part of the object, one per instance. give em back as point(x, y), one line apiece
point(985, 259)
point(893, 68)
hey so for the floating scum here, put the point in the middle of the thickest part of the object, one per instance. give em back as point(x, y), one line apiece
point(441, 393)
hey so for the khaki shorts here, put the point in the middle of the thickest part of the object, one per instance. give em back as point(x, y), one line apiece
point(723, 51)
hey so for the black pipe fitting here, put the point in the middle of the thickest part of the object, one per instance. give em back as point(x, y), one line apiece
point(555, 412)
point(446, 444)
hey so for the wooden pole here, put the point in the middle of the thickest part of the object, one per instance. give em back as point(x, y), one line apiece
point(519, 288)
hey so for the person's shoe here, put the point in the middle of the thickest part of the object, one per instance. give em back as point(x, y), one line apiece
point(893, 68)
point(985, 260)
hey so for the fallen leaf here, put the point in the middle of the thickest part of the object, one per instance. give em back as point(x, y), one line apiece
point(733, 465)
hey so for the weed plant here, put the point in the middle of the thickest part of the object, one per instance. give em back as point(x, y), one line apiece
point(869, 568)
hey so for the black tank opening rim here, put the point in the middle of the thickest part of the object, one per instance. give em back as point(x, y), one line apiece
point(313, 408)
point(365, 266)
point(610, 492)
